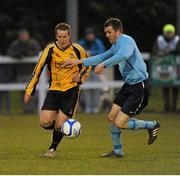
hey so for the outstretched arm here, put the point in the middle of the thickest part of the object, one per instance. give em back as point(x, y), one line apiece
point(90, 61)
point(123, 53)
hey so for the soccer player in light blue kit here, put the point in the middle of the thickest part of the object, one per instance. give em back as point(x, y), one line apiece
point(134, 94)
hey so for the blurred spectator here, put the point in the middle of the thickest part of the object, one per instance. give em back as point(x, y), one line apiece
point(166, 44)
point(24, 47)
point(93, 46)
point(6, 75)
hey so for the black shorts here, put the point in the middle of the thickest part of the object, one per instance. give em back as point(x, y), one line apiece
point(133, 98)
point(64, 101)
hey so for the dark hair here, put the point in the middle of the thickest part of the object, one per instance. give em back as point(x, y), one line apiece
point(63, 27)
point(115, 23)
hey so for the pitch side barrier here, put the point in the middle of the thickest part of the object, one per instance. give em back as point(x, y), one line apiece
point(43, 82)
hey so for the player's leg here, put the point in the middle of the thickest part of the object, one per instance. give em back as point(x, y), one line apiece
point(124, 122)
point(67, 106)
point(136, 102)
point(47, 119)
point(115, 133)
point(49, 110)
point(57, 135)
point(49, 114)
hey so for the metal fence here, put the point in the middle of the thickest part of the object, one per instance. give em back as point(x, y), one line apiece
point(43, 82)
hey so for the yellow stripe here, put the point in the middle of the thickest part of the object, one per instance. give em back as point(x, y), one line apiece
point(37, 71)
point(86, 73)
point(81, 50)
point(75, 108)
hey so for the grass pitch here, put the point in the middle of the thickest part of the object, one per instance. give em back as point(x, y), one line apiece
point(23, 143)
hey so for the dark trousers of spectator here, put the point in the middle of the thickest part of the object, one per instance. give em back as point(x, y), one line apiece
point(23, 74)
point(31, 107)
point(4, 95)
point(170, 96)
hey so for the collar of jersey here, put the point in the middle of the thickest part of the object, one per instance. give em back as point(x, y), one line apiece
point(64, 48)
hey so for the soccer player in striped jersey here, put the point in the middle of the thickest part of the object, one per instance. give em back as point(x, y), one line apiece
point(62, 97)
point(133, 96)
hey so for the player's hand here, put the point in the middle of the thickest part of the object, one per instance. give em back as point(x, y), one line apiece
point(99, 68)
point(26, 98)
point(72, 63)
point(76, 78)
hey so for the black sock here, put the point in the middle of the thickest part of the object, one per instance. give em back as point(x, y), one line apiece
point(56, 139)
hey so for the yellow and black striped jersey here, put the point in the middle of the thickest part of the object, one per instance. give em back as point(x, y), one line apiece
point(60, 77)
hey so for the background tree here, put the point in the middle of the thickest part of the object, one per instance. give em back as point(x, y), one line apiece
point(142, 19)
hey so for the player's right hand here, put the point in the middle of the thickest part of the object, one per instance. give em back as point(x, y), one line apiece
point(26, 98)
point(99, 68)
point(72, 63)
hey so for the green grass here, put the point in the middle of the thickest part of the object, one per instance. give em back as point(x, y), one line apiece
point(155, 102)
point(23, 143)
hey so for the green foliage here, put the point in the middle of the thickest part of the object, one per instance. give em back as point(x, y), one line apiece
point(23, 144)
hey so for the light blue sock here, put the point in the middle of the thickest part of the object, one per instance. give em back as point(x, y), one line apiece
point(136, 124)
point(116, 139)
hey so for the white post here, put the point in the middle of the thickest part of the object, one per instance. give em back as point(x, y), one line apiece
point(43, 86)
point(72, 17)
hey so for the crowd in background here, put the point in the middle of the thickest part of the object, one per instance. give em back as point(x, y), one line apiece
point(90, 100)
point(24, 47)
point(168, 43)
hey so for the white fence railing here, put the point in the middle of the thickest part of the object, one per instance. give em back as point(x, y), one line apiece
point(43, 85)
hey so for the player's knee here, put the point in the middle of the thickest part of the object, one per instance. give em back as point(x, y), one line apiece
point(110, 117)
point(119, 124)
point(47, 125)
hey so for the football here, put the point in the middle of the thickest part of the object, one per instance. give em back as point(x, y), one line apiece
point(71, 128)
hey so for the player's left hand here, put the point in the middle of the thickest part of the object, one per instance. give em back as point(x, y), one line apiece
point(76, 78)
point(99, 68)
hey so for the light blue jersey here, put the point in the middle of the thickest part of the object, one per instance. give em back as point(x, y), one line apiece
point(125, 53)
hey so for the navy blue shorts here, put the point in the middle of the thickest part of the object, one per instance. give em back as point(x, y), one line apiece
point(64, 101)
point(133, 98)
